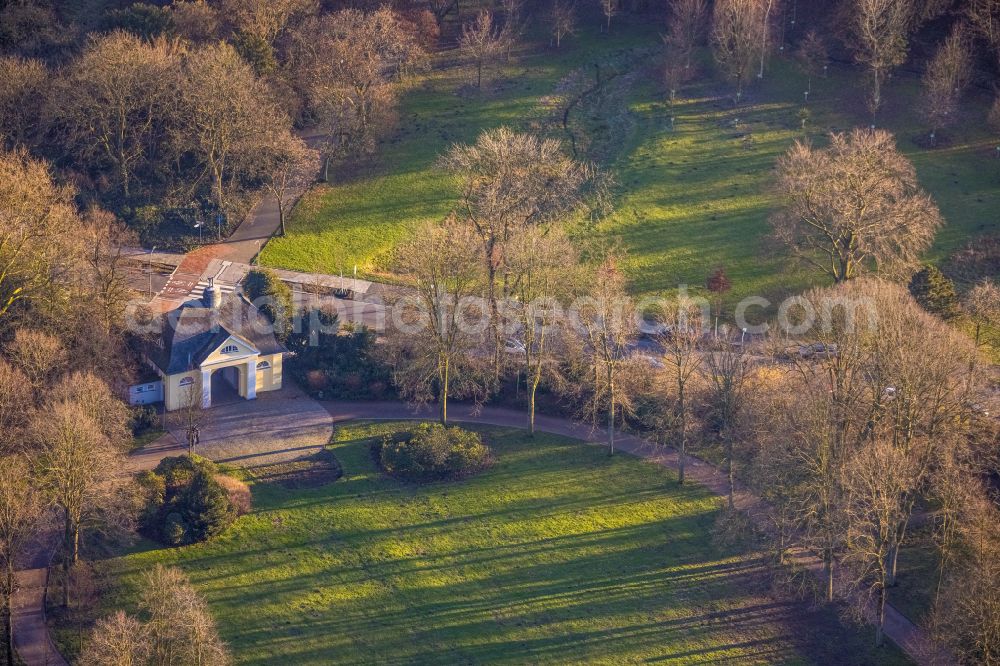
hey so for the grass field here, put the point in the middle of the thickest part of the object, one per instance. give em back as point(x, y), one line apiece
point(555, 555)
point(688, 199)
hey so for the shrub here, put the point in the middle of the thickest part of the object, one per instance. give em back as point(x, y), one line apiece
point(432, 452)
point(143, 419)
point(238, 493)
point(935, 292)
point(338, 364)
point(272, 297)
point(187, 503)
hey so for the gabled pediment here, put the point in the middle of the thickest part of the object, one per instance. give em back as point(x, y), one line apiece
point(231, 347)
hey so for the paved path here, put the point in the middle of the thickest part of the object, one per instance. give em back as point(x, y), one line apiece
point(288, 424)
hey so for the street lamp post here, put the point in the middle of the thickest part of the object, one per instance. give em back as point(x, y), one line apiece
point(149, 269)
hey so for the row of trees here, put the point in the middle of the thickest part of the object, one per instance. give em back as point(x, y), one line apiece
point(877, 32)
point(155, 120)
point(844, 443)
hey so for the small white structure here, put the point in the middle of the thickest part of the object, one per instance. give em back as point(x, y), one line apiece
point(216, 339)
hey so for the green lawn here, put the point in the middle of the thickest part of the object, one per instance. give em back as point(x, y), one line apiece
point(557, 554)
point(688, 199)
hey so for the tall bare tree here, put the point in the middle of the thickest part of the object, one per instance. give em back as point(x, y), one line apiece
point(854, 207)
point(116, 640)
point(727, 367)
point(983, 305)
point(607, 322)
point(290, 167)
point(482, 42)
point(737, 37)
point(112, 101)
point(610, 9)
point(685, 28)
point(542, 264)
point(812, 56)
point(509, 182)
point(562, 18)
point(180, 628)
point(945, 78)
point(21, 511)
point(984, 16)
point(878, 479)
point(25, 83)
point(228, 115)
point(37, 226)
point(880, 33)
point(16, 400)
point(74, 460)
point(682, 359)
point(434, 338)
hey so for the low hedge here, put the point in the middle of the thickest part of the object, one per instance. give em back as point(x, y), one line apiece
point(433, 452)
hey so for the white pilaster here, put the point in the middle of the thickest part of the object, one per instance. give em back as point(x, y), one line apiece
point(252, 379)
point(206, 388)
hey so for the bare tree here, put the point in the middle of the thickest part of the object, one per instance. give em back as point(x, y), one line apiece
point(812, 56)
point(37, 225)
point(945, 78)
point(983, 305)
point(563, 20)
point(434, 338)
point(854, 207)
point(25, 82)
point(685, 28)
point(228, 115)
point(111, 102)
point(683, 361)
point(481, 42)
point(610, 9)
point(607, 322)
point(878, 479)
point(345, 64)
point(290, 167)
point(765, 32)
point(265, 19)
point(880, 32)
point(727, 367)
point(966, 617)
point(737, 37)
point(21, 510)
point(180, 628)
point(106, 240)
point(16, 400)
point(984, 16)
point(40, 356)
point(509, 182)
point(195, 20)
point(190, 417)
point(116, 640)
point(89, 392)
point(542, 264)
point(74, 460)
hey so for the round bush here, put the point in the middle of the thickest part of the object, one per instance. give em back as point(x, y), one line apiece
point(186, 503)
point(432, 452)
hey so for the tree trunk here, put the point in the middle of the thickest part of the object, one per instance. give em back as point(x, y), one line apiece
point(611, 414)
point(893, 561)
point(444, 392)
point(531, 403)
point(829, 575)
point(479, 73)
point(8, 626)
point(880, 621)
point(281, 217)
point(729, 473)
point(682, 452)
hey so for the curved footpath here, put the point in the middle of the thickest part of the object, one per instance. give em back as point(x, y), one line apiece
point(278, 437)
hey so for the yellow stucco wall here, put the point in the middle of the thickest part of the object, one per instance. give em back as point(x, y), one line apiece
point(270, 378)
point(175, 396)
